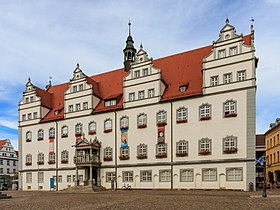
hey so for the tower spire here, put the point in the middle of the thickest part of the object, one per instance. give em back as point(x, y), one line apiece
point(129, 50)
point(129, 24)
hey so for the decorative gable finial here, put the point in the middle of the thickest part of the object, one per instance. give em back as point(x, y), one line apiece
point(227, 21)
point(78, 65)
point(252, 31)
point(141, 46)
point(129, 24)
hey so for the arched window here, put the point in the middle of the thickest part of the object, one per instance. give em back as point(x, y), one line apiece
point(92, 128)
point(142, 120)
point(161, 117)
point(64, 131)
point(230, 108)
point(64, 156)
point(40, 134)
point(79, 129)
point(28, 160)
point(40, 159)
point(107, 125)
point(142, 151)
point(108, 154)
point(124, 122)
point(182, 148)
point(230, 144)
point(28, 136)
point(52, 133)
point(51, 158)
point(205, 112)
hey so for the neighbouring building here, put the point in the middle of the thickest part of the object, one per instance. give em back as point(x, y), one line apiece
point(8, 163)
point(185, 121)
point(260, 152)
point(272, 153)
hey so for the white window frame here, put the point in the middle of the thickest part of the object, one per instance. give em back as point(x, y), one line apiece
point(182, 114)
point(233, 51)
point(29, 116)
point(146, 176)
point(69, 180)
point(28, 177)
point(186, 175)
point(29, 159)
point(131, 96)
point(79, 128)
point(137, 74)
point(182, 147)
point(151, 93)
point(214, 80)
point(209, 174)
point(40, 134)
point(205, 110)
point(124, 151)
point(145, 72)
point(108, 124)
point(164, 175)
point(85, 105)
point(110, 176)
point(161, 149)
point(74, 89)
point(124, 122)
point(230, 142)
point(205, 145)
point(28, 136)
point(222, 53)
point(71, 108)
point(141, 95)
point(81, 87)
point(35, 115)
point(40, 177)
point(142, 119)
point(142, 149)
point(227, 78)
point(230, 107)
point(78, 107)
point(41, 157)
point(162, 116)
point(65, 156)
point(234, 174)
point(241, 75)
point(51, 132)
point(108, 152)
point(127, 176)
point(51, 156)
point(64, 130)
point(92, 126)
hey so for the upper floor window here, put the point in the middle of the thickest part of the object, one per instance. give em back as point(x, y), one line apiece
point(161, 117)
point(79, 129)
point(161, 150)
point(27, 100)
point(81, 87)
point(151, 93)
point(71, 108)
point(29, 116)
point(209, 174)
point(142, 151)
point(131, 96)
point(111, 102)
point(28, 160)
point(75, 88)
point(51, 158)
point(230, 108)
point(64, 156)
point(124, 153)
point(204, 146)
point(142, 120)
point(40, 158)
point(145, 72)
point(92, 128)
point(241, 75)
point(85, 105)
point(124, 122)
point(233, 51)
point(221, 53)
point(23, 117)
point(205, 112)
point(230, 144)
point(141, 94)
point(31, 99)
point(28, 136)
point(182, 148)
point(182, 115)
point(214, 80)
point(137, 74)
point(108, 154)
point(35, 115)
point(40, 134)
point(64, 131)
point(51, 133)
point(227, 78)
point(107, 125)
point(78, 107)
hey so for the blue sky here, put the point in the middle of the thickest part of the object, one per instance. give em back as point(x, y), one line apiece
point(40, 39)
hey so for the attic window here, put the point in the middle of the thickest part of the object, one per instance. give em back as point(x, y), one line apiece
point(111, 102)
point(183, 88)
point(56, 112)
point(227, 36)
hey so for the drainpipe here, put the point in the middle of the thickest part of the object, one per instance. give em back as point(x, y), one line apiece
point(56, 157)
point(171, 140)
point(116, 156)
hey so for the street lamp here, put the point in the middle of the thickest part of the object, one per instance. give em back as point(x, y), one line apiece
point(264, 195)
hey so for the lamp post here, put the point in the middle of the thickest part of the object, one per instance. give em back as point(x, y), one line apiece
point(264, 195)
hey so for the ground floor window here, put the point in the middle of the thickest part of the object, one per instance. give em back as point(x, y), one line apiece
point(234, 174)
point(110, 176)
point(81, 178)
point(28, 177)
point(146, 176)
point(128, 176)
point(186, 175)
point(68, 178)
point(60, 179)
point(41, 177)
point(209, 174)
point(165, 176)
point(74, 178)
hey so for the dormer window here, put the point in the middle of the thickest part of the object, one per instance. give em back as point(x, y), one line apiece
point(145, 72)
point(233, 51)
point(221, 53)
point(74, 88)
point(111, 102)
point(137, 74)
point(183, 88)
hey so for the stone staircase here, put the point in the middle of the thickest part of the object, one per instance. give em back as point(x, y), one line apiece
point(4, 196)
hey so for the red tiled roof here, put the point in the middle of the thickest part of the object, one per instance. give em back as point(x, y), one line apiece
point(176, 70)
point(2, 142)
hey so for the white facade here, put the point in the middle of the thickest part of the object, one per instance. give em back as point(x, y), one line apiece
point(208, 139)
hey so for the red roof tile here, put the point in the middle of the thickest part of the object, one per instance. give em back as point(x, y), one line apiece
point(2, 142)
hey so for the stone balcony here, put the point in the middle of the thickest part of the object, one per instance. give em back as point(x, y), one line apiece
point(87, 160)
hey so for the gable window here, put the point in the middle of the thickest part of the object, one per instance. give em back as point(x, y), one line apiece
point(51, 158)
point(141, 94)
point(40, 134)
point(74, 88)
point(79, 129)
point(40, 159)
point(29, 116)
point(64, 131)
point(127, 176)
point(35, 115)
point(81, 87)
point(151, 93)
point(92, 128)
point(241, 75)
point(145, 72)
point(214, 80)
point(182, 148)
point(137, 74)
point(204, 146)
point(186, 175)
point(227, 78)
point(31, 99)
point(233, 51)
point(28, 136)
point(221, 53)
point(161, 150)
point(230, 108)
point(71, 109)
point(108, 154)
point(124, 153)
point(205, 112)
point(161, 117)
point(51, 133)
point(209, 174)
point(182, 115)
point(64, 156)
point(230, 144)
point(142, 151)
point(234, 174)
point(146, 176)
point(28, 160)
point(85, 105)
point(164, 175)
point(142, 120)
point(110, 176)
point(23, 117)
point(107, 125)
point(78, 107)
point(131, 96)
point(124, 123)
point(26, 100)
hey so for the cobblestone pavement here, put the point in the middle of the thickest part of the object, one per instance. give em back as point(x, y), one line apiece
point(143, 199)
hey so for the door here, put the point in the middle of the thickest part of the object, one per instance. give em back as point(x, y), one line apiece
point(198, 181)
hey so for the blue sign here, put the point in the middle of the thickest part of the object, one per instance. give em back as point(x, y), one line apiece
point(52, 182)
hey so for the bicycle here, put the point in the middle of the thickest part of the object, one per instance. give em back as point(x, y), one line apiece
point(126, 187)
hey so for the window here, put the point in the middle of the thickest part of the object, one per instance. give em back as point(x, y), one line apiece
point(28, 160)
point(124, 151)
point(68, 178)
point(227, 78)
point(146, 176)
point(221, 53)
point(107, 125)
point(23, 117)
point(8, 162)
point(40, 134)
point(205, 112)
point(40, 159)
point(161, 117)
point(151, 93)
point(85, 105)
point(29, 116)
point(214, 80)
point(111, 102)
point(92, 128)
point(81, 87)
point(209, 174)
point(110, 176)
point(64, 131)
point(35, 115)
point(81, 178)
point(241, 75)
point(79, 129)
point(234, 174)
point(230, 144)
point(28, 136)
point(127, 176)
point(1, 162)
point(108, 154)
point(164, 175)
point(64, 156)
point(182, 115)
point(51, 158)
point(161, 150)
point(51, 133)
point(145, 72)
point(31, 99)
point(74, 178)
point(59, 179)
point(137, 74)
point(28, 177)
point(204, 146)
point(141, 94)
point(8, 170)
point(186, 175)
point(27, 100)
point(40, 177)
point(14, 171)
point(74, 88)
point(131, 96)
point(183, 88)
point(142, 151)
point(233, 51)
point(182, 148)
point(78, 107)
point(124, 122)
point(230, 108)
point(142, 120)
point(71, 108)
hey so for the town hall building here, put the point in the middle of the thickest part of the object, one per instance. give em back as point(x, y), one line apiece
point(185, 121)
